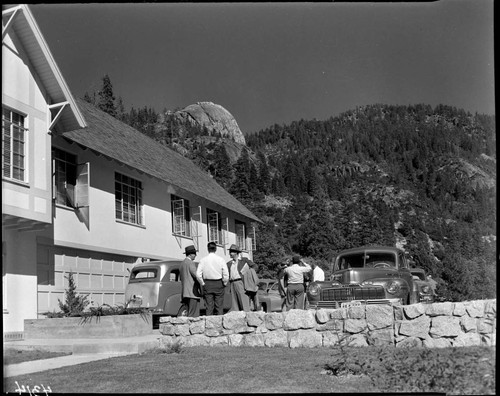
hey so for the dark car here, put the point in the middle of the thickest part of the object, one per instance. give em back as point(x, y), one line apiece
point(422, 285)
point(157, 285)
point(269, 296)
point(366, 275)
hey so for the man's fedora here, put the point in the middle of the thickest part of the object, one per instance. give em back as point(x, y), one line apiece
point(234, 248)
point(190, 250)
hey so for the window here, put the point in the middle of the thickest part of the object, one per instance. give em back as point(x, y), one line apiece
point(241, 235)
point(214, 223)
point(71, 180)
point(128, 199)
point(181, 217)
point(13, 145)
point(64, 177)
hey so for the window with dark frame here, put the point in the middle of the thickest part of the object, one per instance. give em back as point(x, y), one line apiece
point(64, 177)
point(14, 134)
point(214, 224)
point(241, 235)
point(181, 216)
point(128, 199)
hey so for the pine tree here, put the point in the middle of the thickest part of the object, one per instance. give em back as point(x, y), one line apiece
point(240, 187)
point(221, 167)
point(106, 98)
point(120, 111)
point(264, 179)
point(73, 304)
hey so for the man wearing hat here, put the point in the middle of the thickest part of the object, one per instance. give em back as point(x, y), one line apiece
point(295, 290)
point(190, 293)
point(238, 266)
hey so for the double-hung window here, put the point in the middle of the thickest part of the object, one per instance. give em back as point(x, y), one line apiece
point(214, 223)
point(181, 217)
point(14, 135)
point(64, 177)
point(128, 200)
point(241, 235)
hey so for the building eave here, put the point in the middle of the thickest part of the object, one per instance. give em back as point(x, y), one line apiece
point(22, 22)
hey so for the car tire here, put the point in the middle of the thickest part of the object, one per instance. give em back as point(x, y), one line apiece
point(183, 311)
point(263, 307)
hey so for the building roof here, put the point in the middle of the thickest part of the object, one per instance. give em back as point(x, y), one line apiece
point(21, 21)
point(108, 136)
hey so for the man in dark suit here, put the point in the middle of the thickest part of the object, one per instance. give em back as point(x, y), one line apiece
point(190, 294)
point(240, 300)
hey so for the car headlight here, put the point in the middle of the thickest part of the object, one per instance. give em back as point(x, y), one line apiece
point(426, 289)
point(393, 287)
point(314, 289)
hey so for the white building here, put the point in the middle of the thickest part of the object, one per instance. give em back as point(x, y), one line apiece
point(83, 192)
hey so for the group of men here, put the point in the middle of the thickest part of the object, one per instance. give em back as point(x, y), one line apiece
point(210, 278)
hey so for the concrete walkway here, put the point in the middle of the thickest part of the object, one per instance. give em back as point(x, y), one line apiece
point(34, 366)
point(82, 351)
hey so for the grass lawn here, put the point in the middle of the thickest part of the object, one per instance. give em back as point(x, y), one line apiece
point(237, 370)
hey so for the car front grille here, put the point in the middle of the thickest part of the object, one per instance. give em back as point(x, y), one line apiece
point(352, 293)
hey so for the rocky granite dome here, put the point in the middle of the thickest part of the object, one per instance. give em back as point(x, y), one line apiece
point(214, 117)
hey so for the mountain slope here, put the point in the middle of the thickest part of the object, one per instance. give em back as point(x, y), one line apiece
point(418, 177)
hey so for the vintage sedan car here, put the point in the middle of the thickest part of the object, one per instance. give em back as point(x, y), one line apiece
point(269, 297)
point(423, 288)
point(157, 285)
point(264, 285)
point(366, 275)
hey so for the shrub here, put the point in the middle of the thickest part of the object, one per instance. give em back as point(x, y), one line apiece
point(74, 304)
point(459, 370)
point(107, 310)
point(175, 347)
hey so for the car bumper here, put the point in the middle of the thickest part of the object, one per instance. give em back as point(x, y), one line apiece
point(426, 299)
point(346, 304)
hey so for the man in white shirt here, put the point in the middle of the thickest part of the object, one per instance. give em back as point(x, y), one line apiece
point(318, 273)
point(295, 290)
point(213, 275)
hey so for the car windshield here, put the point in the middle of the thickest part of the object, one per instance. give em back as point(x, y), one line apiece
point(418, 274)
point(367, 260)
point(263, 286)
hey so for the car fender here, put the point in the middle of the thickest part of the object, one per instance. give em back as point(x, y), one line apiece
point(172, 304)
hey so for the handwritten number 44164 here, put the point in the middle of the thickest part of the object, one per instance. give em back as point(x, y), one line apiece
point(35, 391)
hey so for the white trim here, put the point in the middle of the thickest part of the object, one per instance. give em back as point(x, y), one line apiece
point(54, 120)
point(42, 44)
point(8, 25)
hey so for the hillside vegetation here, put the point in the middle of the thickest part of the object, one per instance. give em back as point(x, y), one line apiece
point(417, 177)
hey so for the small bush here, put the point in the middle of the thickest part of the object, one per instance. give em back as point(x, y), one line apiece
point(175, 347)
point(74, 304)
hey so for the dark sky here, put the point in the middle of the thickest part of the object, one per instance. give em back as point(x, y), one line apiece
point(272, 63)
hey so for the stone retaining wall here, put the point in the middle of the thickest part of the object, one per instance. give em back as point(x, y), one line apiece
point(436, 325)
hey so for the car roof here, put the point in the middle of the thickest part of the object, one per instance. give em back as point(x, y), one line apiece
point(158, 263)
point(374, 248)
